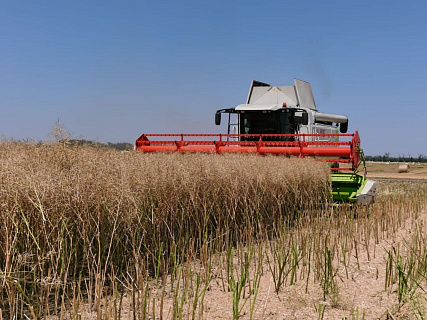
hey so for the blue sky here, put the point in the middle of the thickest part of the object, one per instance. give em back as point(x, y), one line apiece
point(112, 70)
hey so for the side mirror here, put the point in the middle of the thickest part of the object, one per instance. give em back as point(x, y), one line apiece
point(344, 127)
point(217, 118)
point(305, 118)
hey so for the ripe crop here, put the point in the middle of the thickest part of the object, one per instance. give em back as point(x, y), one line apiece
point(77, 220)
point(87, 232)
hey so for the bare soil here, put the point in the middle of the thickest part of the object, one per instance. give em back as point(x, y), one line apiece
point(390, 170)
point(362, 292)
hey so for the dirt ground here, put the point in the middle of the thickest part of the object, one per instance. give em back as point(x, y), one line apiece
point(361, 294)
point(390, 170)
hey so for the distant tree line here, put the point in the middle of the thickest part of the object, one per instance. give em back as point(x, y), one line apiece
point(401, 158)
point(61, 134)
point(121, 146)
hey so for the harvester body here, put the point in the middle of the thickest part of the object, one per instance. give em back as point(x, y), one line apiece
point(282, 120)
point(282, 110)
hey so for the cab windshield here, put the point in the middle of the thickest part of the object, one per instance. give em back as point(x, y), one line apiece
point(272, 122)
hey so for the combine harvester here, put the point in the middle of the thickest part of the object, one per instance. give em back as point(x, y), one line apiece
point(282, 120)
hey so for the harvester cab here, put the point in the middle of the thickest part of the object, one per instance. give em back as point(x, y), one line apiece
point(282, 120)
point(281, 110)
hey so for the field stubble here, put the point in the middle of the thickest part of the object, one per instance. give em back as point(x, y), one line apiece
point(92, 233)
